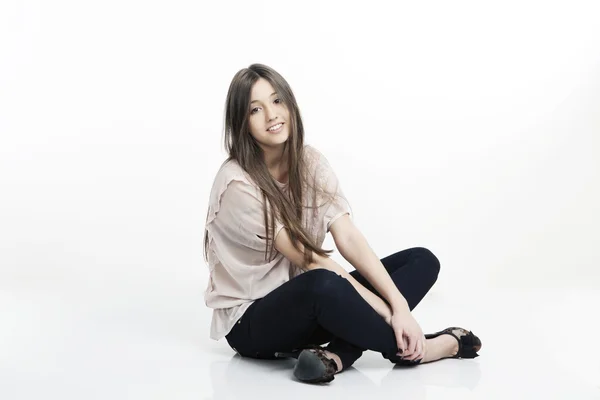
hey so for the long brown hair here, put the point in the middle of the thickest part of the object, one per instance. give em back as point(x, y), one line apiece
point(243, 148)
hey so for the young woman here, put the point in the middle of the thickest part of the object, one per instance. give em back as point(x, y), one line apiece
point(275, 292)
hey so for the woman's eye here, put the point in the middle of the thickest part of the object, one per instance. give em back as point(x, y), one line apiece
point(278, 101)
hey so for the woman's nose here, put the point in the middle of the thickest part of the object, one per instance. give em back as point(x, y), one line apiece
point(271, 114)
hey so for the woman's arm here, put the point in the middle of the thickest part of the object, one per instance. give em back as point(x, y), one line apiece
point(353, 246)
point(283, 244)
point(355, 249)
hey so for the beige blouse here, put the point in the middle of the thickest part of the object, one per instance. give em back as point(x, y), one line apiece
point(238, 272)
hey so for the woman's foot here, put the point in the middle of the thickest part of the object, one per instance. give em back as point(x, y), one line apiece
point(336, 358)
point(332, 356)
point(440, 347)
point(452, 342)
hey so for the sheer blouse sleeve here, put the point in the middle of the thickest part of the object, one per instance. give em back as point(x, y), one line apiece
point(237, 225)
point(336, 203)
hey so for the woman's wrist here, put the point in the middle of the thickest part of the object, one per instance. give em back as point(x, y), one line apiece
point(400, 306)
point(387, 316)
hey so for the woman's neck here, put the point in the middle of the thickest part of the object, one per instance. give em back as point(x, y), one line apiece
point(277, 166)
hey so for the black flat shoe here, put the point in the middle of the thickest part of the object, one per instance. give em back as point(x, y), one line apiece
point(468, 343)
point(313, 366)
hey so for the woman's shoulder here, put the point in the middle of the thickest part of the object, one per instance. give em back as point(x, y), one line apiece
point(316, 161)
point(229, 170)
point(229, 173)
point(311, 150)
point(312, 155)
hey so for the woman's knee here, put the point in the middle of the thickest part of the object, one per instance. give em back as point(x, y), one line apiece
point(430, 260)
point(323, 281)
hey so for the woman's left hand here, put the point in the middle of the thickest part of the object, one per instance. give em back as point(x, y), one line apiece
point(409, 336)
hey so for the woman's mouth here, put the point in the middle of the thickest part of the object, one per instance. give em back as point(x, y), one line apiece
point(276, 128)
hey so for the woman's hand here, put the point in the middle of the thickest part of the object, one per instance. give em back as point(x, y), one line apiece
point(409, 336)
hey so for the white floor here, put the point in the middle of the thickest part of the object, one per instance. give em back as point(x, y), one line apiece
point(111, 340)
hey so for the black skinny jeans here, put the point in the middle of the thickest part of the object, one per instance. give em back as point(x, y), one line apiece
point(319, 306)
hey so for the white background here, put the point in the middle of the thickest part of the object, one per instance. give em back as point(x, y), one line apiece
point(470, 128)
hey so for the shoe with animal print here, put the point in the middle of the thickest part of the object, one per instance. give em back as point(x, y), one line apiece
point(313, 366)
point(468, 344)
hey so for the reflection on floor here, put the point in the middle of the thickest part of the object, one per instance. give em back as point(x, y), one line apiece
point(82, 344)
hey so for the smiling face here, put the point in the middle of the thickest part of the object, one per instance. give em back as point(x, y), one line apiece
point(267, 110)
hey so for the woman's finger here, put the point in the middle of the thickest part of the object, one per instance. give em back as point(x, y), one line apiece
point(412, 344)
point(400, 341)
point(406, 343)
point(402, 346)
point(419, 349)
